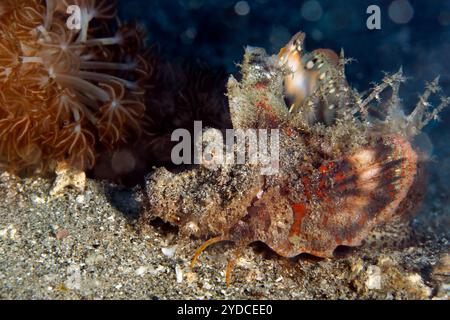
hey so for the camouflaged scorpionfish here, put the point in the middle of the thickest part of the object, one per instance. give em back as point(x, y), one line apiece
point(341, 171)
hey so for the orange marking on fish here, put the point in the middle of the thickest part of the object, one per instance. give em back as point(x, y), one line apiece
point(299, 211)
point(260, 85)
point(323, 169)
point(264, 106)
point(339, 177)
point(362, 219)
point(306, 184)
point(325, 219)
point(319, 194)
point(289, 132)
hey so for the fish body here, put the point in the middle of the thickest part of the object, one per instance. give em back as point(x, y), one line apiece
point(339, 175)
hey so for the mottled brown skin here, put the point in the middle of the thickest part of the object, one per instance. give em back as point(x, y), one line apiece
point(315, 208)
point(201, 202)
point(337, 203)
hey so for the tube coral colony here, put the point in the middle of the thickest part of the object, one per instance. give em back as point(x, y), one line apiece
point(323, 169)
point(63, 91)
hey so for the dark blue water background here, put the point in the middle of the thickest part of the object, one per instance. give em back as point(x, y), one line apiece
point(414, 34)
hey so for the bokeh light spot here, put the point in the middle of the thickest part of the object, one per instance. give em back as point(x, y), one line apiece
point(123, 162)
point(188, 36)
point(317, 35)
point(400, 11)
point(311, 10)
point(242, 8)
point(444, 18)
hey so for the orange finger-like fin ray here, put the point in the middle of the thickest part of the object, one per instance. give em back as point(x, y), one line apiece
point(231, 264)
point(205, 245)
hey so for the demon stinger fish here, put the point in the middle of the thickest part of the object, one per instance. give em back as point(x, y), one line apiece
point(339, 177)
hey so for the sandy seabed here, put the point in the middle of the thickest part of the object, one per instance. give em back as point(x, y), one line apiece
point(90, 245)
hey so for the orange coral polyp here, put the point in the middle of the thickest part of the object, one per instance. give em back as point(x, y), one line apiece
point(60, 81)
point(117, 112)
point(80, 85)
